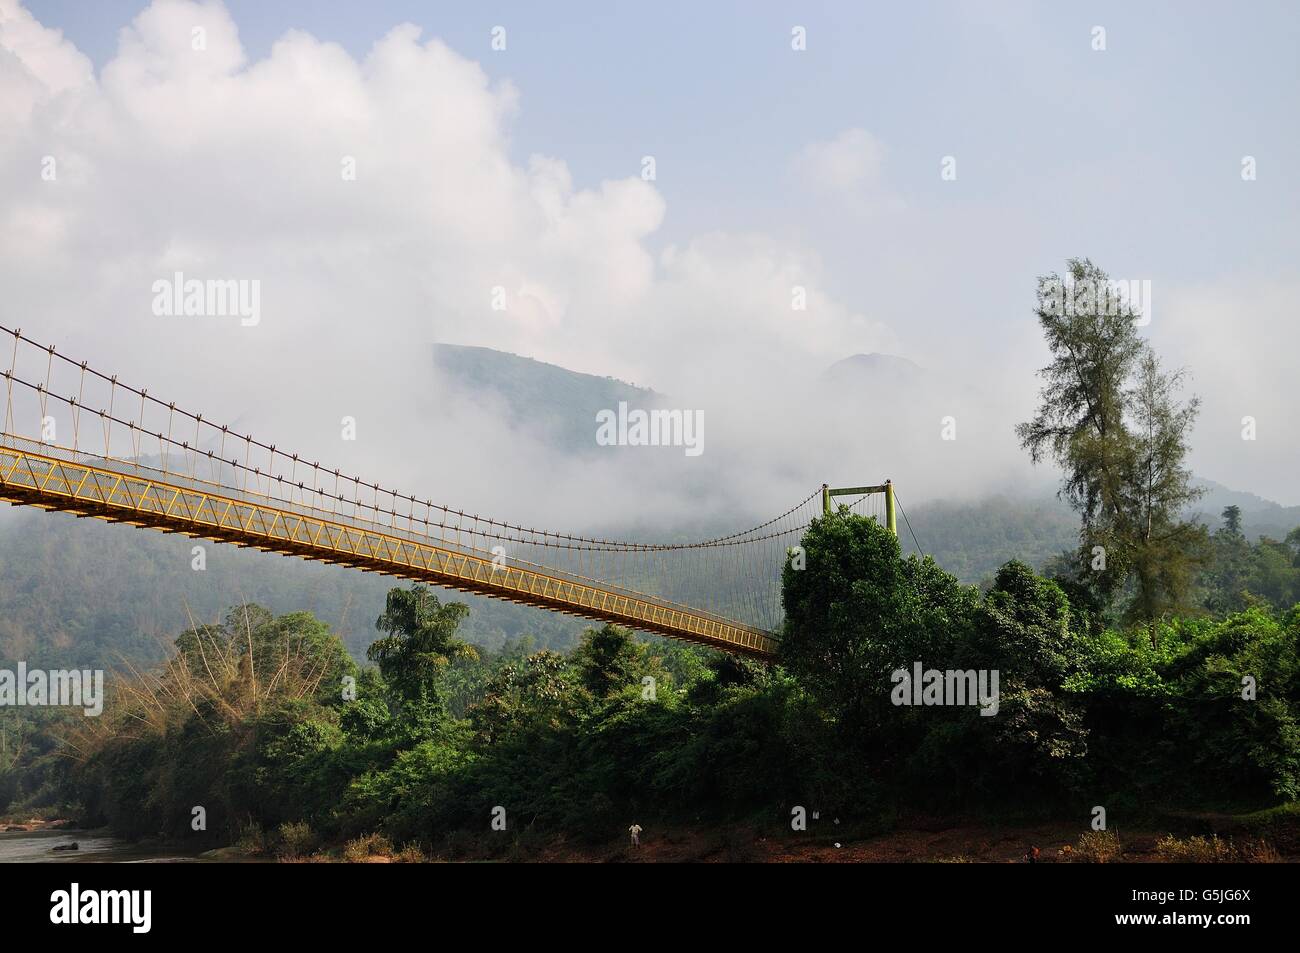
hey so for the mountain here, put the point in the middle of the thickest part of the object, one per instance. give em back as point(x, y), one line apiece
point(85, 593)
point(542, 398)
point(972, 539)
point(875, 370)
point(1259, 517)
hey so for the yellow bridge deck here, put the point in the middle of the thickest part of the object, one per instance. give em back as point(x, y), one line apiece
point(55, 479)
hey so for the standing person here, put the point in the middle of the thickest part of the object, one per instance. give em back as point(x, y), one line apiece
point(635, 831)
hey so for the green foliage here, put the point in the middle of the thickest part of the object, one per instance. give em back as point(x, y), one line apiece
point(971, 539)
point(247, 718)
point(851, 615)
point(240, 721)
point(533, 696)
point(421, 641)
point(1110, 418)
point(608, 660)
point(1122, 685)
point(31, 770)
point(1240, 573)
point(1077, 707)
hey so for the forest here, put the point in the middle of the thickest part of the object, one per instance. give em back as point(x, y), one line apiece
point(1151, 674)
point(289, 746)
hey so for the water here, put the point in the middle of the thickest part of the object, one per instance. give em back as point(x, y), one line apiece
point(36, 847)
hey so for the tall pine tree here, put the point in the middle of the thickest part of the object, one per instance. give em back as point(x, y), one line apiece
point(1110, 418)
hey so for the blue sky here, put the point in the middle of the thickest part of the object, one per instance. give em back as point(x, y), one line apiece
point(1014, 89)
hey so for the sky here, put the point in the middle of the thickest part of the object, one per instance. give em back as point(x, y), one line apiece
point(1117, 132)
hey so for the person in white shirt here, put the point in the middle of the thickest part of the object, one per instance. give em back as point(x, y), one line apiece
point(635, 831)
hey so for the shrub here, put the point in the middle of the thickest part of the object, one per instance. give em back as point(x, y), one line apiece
point(1195, 850)
point(251, 839)
point(1097, 847)
point(1260, 852)
point(410, 854)
point(296, 840)
point(363, 848)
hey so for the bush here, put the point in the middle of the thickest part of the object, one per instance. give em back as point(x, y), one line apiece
point(410, 854)
point(1195, 850)
point(251, 840)
point(1097, 847)
point(296, 840)
point(361, 849)
point(1260, 852)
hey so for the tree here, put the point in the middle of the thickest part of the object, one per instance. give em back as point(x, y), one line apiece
point(1232, 521)
point(1292, 543)
point(1110, 418)
point(1241, 574)
point(533, 695)
point(421, 641)
point(1080, 422)
point(609, 659)
point(1023, 631)
point(840, 610)
point(857, 611)
point(1226, 575)
point(1166, 548)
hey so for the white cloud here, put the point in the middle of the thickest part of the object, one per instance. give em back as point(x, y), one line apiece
point(1238, 337)
point(850, 162)
point(36, 64)
point(202, 161)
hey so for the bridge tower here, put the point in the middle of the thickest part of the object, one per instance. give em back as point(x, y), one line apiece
point(887, 488)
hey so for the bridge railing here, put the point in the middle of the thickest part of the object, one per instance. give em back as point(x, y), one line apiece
point(56, 478)
point(121, 432)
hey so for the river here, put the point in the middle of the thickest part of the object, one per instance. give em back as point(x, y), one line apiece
point(37, 847)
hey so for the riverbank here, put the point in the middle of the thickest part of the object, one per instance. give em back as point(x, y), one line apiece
point(66, 844)
point(1269, 836)
point(12, 825)
point(38, 838)
point(1054, 843)
point(1199, 839)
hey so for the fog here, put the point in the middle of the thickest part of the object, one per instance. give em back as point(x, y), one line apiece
point(376, 204)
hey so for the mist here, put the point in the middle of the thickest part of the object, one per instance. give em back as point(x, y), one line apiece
point(376, 203)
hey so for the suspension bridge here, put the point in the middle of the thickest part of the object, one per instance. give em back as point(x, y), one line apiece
point(83, 442)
